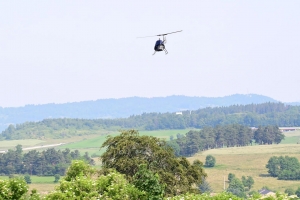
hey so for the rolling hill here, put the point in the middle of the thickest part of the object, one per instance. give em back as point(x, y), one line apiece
point(121, 108)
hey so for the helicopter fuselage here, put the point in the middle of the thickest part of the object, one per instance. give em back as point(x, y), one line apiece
point(159, 45)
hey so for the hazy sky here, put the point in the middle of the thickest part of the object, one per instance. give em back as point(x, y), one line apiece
point(69, 51)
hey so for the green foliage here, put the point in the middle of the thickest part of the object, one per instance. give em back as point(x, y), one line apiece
point(79, 167)
point(115, 186)
point(247, 182)
point(47, 162)
point(210, 161)
point(81, 183)
point(239, 187)
point(27, 178)
point(297, 192)
point(175, 146)
point(13, 188)
point(268, 135)
point(289, 191)
point(254, 195)
point(236, 187)
point(204, 187)
point(205, 196)
point(285, 168)
point(56, 178)
point(34, 195)
point(127, 151)
point(230, 177)
point(146, 181)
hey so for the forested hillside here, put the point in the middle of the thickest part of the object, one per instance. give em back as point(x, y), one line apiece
point(116, 108)
point(248, 115)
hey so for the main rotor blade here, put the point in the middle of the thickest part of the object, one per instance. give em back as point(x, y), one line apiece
point(169, 33)
point(160, 34)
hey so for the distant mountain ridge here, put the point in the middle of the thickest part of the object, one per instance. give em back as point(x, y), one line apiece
point(120, 108)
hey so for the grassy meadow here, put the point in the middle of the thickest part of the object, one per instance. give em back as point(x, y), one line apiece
point(248, 161)
point(251, 161)
point(92, 145)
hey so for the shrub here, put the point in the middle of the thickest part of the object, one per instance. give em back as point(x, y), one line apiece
point(210, 161)
point(27, 178)
point(289, 191)
point(56, 178)
point(13, 188)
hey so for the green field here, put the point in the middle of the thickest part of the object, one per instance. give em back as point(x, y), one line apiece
point(291, 137)
point(248, 161)
point(35, 179)
point(92, 145)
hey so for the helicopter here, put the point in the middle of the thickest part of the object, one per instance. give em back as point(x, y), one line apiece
point(160, 44)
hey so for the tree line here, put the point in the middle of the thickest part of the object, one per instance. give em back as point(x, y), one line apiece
point(252, 115)
point(47, 162)
point(223, 136)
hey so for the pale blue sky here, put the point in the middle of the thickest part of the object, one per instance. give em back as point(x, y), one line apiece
point(69, 51)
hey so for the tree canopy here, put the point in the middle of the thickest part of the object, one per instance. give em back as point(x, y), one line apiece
point(127, 151)
point(284, 167)
point(210, 161)
point(47, 162)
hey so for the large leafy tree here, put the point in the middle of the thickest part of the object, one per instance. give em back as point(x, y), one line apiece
point(127, 151)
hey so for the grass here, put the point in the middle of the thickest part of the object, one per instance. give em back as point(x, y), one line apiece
point(25, 143)
point(291, 137)
point(44, 188)
point(291, 140)
point(164, 134)
point(248, 161)
point(35, 179)
point(92, 145)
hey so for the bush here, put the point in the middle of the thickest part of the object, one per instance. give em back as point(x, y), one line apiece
point(298, 192)
point(81, 183)
point(57, 177)
point(236, 187)
point(204, 187)
point(289, 191)
point(27, 178)
point(14, 188)
point(210, 161)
